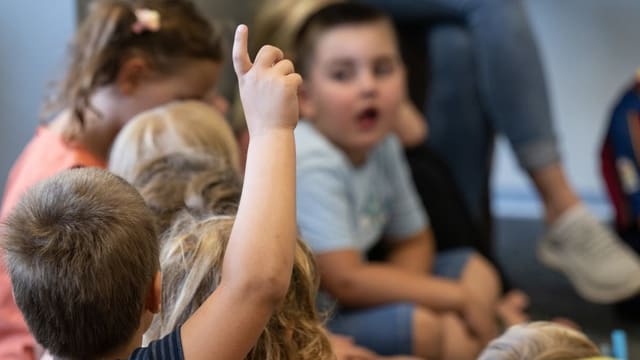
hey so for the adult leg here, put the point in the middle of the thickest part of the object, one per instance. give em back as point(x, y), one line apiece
point(513, 93)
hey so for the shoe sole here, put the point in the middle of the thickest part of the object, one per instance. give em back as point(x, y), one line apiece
point(591, 293)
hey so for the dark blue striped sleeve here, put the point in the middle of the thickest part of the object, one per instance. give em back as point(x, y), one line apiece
point(169, 347)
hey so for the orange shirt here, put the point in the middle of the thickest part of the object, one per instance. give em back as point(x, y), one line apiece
point(45, 155)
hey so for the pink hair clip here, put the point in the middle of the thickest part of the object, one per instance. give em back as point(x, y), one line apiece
point(147, 20)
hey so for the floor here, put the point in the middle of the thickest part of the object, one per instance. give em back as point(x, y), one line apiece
point(551, 294)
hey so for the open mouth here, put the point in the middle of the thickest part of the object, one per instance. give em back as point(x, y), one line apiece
point(368, 118)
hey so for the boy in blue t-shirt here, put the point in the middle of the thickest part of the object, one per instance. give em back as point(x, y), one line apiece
point(354, 189)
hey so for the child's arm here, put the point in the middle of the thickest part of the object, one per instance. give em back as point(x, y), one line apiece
point(259, 257)
point(357, 283)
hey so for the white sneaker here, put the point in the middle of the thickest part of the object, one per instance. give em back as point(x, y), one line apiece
point(602, 268)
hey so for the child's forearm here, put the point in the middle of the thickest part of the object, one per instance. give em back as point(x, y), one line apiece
point(262, 242)
point(376, 284)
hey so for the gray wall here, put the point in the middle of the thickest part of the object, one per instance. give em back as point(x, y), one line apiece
point(33, 35)
point(591, 50)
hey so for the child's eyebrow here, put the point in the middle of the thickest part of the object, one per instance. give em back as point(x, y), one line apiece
point(341, 62)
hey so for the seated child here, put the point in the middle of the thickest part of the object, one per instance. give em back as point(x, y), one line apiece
point(191, 260)
point(540, 341)
point(177, 156)
point(82, 249)
point(354, 189)
point(194, 177)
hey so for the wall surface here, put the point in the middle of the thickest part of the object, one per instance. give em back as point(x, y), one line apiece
point(590, 50)
point(33, 37)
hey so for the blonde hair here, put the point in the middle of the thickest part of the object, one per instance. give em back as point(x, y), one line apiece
point(194, 182)
point(108, 35)
point(191, 262)
point(540, 341)
point(174, 127)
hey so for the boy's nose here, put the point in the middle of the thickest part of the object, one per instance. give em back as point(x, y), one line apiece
point(368, 84)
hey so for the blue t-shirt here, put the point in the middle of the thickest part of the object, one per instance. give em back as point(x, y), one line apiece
point(169, 348)
point(341, 206)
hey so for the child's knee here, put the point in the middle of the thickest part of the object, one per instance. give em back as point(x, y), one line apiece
point(457, 342)
point(480, 271)
point(427, 333)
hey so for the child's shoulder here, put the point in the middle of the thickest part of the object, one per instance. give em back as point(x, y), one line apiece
point(45, 155)
point(313, 149)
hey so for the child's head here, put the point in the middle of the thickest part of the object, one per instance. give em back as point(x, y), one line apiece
point(193, 182)
point(174, 127)
point(540, 341)
point(131, 55)
point(82, 252)
point(354, 76)
point(191, 262)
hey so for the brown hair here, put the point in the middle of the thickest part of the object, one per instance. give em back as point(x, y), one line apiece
point(327, 18)
point(540, 341)
point(195, 182)
point(82, 252)
point(106, 37)
point(191, 262)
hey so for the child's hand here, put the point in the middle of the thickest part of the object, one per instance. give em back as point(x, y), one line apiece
point(268, 87)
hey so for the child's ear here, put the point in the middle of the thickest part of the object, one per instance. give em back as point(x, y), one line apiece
point(154, 297)
point(131, 73)
point(307, 109)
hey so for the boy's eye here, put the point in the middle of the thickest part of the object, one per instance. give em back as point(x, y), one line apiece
point(341, 74)
point(384, 67)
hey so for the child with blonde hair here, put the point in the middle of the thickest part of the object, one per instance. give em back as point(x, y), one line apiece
point(193, 190)
point(541, 341)
point(64, 228)
point(127, 56)
point(178, 157)
point(191, 259)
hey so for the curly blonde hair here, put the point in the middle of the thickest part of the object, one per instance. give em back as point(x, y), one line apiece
point(191, 262)
point(194, 196)
point(540, 341)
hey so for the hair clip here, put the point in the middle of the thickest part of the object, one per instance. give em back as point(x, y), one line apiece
point(147, 20)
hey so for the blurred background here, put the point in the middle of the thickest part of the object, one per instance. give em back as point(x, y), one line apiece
point(590, 51)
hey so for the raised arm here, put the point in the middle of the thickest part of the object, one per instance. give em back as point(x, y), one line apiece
point(259, 257)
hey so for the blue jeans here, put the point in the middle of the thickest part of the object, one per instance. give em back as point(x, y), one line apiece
point(486, 78)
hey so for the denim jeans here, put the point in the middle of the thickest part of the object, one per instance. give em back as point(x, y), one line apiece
point(486, 77)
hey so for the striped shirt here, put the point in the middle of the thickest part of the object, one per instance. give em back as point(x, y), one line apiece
point(169, 347)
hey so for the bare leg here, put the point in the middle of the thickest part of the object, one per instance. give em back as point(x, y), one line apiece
point(458, 344)
point(483, 287)
point(427, 334)
point(555, 191)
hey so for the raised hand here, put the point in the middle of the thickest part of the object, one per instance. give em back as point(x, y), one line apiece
point(268, 87)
